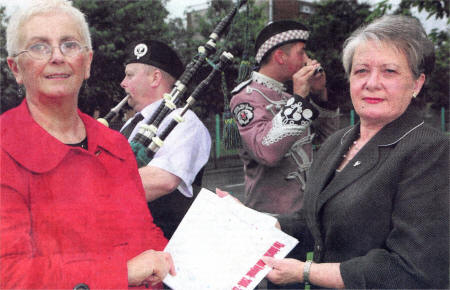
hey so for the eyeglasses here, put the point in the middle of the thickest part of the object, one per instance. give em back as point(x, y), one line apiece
point(43, 51)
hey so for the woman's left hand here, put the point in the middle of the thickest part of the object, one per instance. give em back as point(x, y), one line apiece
point(224, 194)
point(285, 271)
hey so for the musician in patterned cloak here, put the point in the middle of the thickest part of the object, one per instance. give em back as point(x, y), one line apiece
point(173, 176)
point(275, 126)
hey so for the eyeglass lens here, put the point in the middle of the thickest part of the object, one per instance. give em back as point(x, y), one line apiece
point(43, 50)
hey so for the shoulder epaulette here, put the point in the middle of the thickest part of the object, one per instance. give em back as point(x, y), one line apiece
point(239, 87)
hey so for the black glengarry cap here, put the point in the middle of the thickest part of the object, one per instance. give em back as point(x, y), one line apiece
point(157, 54)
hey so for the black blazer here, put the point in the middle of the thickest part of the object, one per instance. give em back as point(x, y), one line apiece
point(385, 216)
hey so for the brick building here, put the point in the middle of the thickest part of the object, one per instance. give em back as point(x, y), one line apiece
point(288, 9)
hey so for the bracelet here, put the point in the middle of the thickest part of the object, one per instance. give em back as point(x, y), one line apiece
point(306, 269)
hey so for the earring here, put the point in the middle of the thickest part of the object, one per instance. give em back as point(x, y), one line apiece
point(85, 86)
point(414, 95)
point(21, 92)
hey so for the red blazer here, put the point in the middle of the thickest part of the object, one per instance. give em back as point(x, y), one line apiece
point(67, 215)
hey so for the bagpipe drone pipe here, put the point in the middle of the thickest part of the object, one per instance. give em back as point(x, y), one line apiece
point(144, 153)
point(114, 112)
point(145, 143)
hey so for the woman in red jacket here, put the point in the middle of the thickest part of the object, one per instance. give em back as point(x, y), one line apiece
point(72, 209)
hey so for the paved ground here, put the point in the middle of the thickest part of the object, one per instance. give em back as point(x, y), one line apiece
point(230, 179)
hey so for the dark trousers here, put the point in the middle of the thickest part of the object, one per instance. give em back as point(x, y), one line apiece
point(169, 210)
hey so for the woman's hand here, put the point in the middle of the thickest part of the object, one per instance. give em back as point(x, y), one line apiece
point(284, 271)
point(223, 194)
point(149, 267)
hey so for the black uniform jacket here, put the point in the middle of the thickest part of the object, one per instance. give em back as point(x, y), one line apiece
point(385, 216)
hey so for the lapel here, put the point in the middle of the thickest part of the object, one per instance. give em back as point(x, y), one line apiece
point(363, 162)
point(366, 159)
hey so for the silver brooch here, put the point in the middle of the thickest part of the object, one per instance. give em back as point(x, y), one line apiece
point(356, 163)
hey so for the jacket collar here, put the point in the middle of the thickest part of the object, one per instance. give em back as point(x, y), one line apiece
point(392, 132)
point(35, 149)
point(368, 157)
point(268, 82)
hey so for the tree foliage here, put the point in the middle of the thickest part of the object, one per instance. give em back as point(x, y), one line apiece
point(116, 24)
point(238, 39)
point(437, 90)
point(113, 27)
point(10, 92)
point(435, 8)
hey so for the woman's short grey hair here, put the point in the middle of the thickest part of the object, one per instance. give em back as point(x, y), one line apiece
point(26, 11)
point(403, 32)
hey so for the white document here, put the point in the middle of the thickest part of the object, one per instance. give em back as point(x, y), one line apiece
point(219, 245)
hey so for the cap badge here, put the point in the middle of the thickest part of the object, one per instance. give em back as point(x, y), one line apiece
point(140, 50)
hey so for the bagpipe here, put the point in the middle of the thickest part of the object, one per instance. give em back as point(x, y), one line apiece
point(114, 112)
point(146, 142)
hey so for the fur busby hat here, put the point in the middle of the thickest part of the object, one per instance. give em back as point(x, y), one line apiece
point(278, 33)
point(157, 54)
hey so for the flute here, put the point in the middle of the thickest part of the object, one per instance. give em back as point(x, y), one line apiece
point(318, 70)
point(145, 154)
point(114, 112)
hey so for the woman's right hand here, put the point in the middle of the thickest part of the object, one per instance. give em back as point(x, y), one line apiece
point(284, 271)
point(149, 267)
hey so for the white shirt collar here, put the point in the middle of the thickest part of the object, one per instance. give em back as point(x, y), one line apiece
point(148, 111)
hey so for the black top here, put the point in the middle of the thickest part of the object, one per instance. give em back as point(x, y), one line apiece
point(83, 144)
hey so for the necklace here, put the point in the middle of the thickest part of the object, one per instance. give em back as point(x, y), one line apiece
point(352, 151)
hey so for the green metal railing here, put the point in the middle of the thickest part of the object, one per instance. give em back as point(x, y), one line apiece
point(220, 151)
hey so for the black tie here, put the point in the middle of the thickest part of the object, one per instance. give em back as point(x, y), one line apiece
point(129, 128)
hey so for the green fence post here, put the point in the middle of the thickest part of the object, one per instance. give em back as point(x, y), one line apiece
point(217, 136)
point(352, 117)
point(443, 119)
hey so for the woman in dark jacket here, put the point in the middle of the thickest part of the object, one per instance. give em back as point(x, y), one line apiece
point(377, 195)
